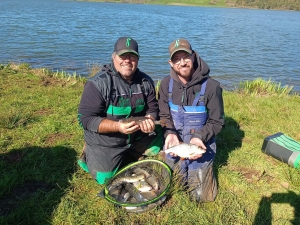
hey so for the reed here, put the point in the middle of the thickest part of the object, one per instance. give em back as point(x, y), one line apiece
point(93, 68)
point(262, 87)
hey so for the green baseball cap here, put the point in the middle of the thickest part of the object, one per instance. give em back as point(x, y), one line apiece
point(126, 44)
point(180, 45)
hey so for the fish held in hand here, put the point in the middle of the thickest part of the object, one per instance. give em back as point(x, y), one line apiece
point(185, 150)
point(139, 119)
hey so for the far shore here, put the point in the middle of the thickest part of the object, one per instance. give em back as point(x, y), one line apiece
point(184, 4)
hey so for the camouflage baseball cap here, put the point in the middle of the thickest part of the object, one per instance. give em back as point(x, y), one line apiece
point(126, 44)
point(180, 45)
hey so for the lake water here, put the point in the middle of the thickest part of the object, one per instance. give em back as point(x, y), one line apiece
point(237, 44)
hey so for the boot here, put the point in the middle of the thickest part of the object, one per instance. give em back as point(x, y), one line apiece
point(82, 160)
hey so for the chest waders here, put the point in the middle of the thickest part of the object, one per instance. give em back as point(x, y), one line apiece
point(197, 174)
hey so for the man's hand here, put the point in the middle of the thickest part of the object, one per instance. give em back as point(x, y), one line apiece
point(171, 141)
point(127, 128)
point(198, 142)
point(148, 125)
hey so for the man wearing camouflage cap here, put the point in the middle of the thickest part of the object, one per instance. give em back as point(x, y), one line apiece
point(191, 105)
point(120, 90)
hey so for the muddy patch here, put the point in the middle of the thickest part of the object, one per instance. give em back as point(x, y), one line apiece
point(44, 112)
point(252, 175)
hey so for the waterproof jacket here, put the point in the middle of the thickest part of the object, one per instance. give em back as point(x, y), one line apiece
point(184, 95)
point(108, 95)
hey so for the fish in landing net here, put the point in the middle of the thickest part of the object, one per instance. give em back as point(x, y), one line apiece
point(184, 150)
point(139, 119)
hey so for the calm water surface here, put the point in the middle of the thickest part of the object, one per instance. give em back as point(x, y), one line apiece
point(238, 44)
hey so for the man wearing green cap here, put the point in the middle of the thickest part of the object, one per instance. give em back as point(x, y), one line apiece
point(120, 90)
point(191, 105)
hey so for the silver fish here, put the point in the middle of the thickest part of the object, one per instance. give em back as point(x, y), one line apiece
point(123, 196)
point(113, 189)
point(153, 179)
point(140, 171)
point(149, 194)
point(127, 179)
point(135, 193)
point(185, 150)
point(149, 176)
point(142, 186)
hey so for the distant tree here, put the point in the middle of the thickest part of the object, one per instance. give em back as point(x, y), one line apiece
point(268, 4)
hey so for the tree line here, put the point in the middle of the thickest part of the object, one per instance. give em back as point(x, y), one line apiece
point(260, 4)
point(268, 4)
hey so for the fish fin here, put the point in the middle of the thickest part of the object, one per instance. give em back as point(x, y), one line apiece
point(182, 158)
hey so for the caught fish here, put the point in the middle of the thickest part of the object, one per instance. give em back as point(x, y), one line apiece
point(114, 188)
point(150, 177)
point(149, 194)
point(127, 179)
point(142, 186)
point(123, 196)
point(185, 150)
point(140, 171)
point(135, 193)
point(139, 119)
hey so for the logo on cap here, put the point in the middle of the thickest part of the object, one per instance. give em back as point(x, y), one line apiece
point(177, 43)
point(180, 45)
point(128, 42)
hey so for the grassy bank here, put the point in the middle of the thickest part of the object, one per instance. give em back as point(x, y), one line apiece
point(40, 141)
point(256, 4)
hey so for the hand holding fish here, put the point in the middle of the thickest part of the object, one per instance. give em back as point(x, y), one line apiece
point(147, 126)
point(186, 151)
point(144, 123)
point(128, 128)
point(140, 119)
point(171, 141)
point(198, 142)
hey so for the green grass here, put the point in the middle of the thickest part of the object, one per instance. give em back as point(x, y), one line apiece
point(215, 3)
point(256, 4)
point(219, 3)
point(262, 87)
point(40, 141)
